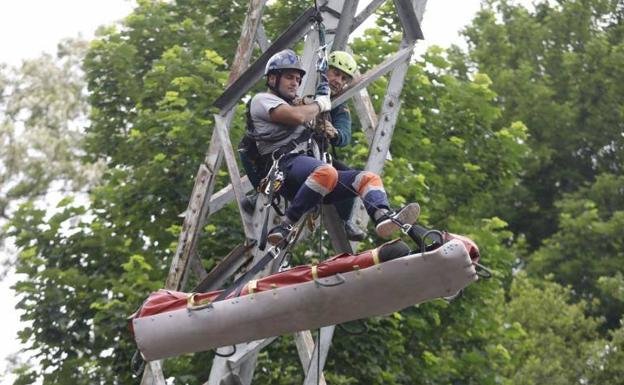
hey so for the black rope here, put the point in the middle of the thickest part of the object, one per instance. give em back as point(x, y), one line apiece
point(318, 357)
point(137, 364)
point(420, 239)
point(482, 271)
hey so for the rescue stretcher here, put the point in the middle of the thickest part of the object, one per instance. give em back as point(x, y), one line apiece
point(341, 289)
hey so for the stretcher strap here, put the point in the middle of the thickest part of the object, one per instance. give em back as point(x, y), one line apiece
point(252, 286)
point(191, 304)
point(315, 272)
point(375, 255)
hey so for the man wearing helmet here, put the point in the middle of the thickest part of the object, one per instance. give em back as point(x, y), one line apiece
point(281, 132)
point(341, 71)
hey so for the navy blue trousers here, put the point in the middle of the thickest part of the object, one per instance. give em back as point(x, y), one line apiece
point(310, 182)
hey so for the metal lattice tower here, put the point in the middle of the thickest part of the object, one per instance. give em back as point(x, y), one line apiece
point(340, 19)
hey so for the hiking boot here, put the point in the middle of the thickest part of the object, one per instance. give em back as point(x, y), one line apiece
point(354, 233)
point(278, 233)
point(407, 215)
point(249, 203)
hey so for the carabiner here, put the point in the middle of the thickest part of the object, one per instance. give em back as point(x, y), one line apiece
point(275, 251)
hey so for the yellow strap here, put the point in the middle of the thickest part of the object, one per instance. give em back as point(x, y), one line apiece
point(190, 300)
point(314, 273)
point(375, 255)
point(192, 305)
point(252, 286)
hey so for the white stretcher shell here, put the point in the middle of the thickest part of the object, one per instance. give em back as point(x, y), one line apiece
point(376, 290)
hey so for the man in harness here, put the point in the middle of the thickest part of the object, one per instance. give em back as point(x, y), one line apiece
point(336, 131)
point(333, 128)
point(283, 140)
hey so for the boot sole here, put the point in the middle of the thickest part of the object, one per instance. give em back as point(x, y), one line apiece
point(408, 215)
point(274, 239)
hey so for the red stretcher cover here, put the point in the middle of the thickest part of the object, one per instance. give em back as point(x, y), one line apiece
point(163, 301)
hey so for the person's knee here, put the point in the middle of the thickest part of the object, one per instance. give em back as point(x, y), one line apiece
point(323, 179)
point(367, 181)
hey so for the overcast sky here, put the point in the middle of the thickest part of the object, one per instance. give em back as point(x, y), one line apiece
point(30, 27)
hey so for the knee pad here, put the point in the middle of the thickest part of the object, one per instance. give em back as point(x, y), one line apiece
point(323, 179)
point(367, 181)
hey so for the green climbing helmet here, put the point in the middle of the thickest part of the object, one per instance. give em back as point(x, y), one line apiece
point(343, 61)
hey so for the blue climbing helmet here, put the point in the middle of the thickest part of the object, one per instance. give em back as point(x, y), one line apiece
point(284, 60)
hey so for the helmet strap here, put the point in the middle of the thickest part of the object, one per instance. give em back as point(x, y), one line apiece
point(275, 88)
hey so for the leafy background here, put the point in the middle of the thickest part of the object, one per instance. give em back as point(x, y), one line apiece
point(515, 141)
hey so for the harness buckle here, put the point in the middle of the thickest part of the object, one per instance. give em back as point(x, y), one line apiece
point(327, 157)
point(275, 251)
point(405, 228)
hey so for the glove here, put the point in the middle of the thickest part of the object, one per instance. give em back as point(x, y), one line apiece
point(324, 102)
point(326, 128)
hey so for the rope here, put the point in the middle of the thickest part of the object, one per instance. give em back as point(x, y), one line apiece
point(318, 357)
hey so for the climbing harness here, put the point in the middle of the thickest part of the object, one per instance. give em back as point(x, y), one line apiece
point(272, 184)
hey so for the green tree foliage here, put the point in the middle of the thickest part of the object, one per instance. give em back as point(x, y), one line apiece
point(449, 155)
point(587, 250)
point(42, 108)
point(547, 337)
point(556, 68)
point(457, 149)
point(151, 87)
point(606, 365)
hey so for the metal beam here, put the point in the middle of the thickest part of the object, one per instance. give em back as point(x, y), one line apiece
point(205, 179)
point(335, 228)
point(344, 25)
point(197, 267)
point(261, 38)
point(366, 113)
point(376, 72)
point(230, 264)
point(305, 347)
point(226, 195)
point(153, 374)
point(317, 363)
point(308, 60)
point(195, 213)
point(222, 132)
point(365, 13)
point(247, 79)
point(246, 41)
point(409, 20)
point(244, 351)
